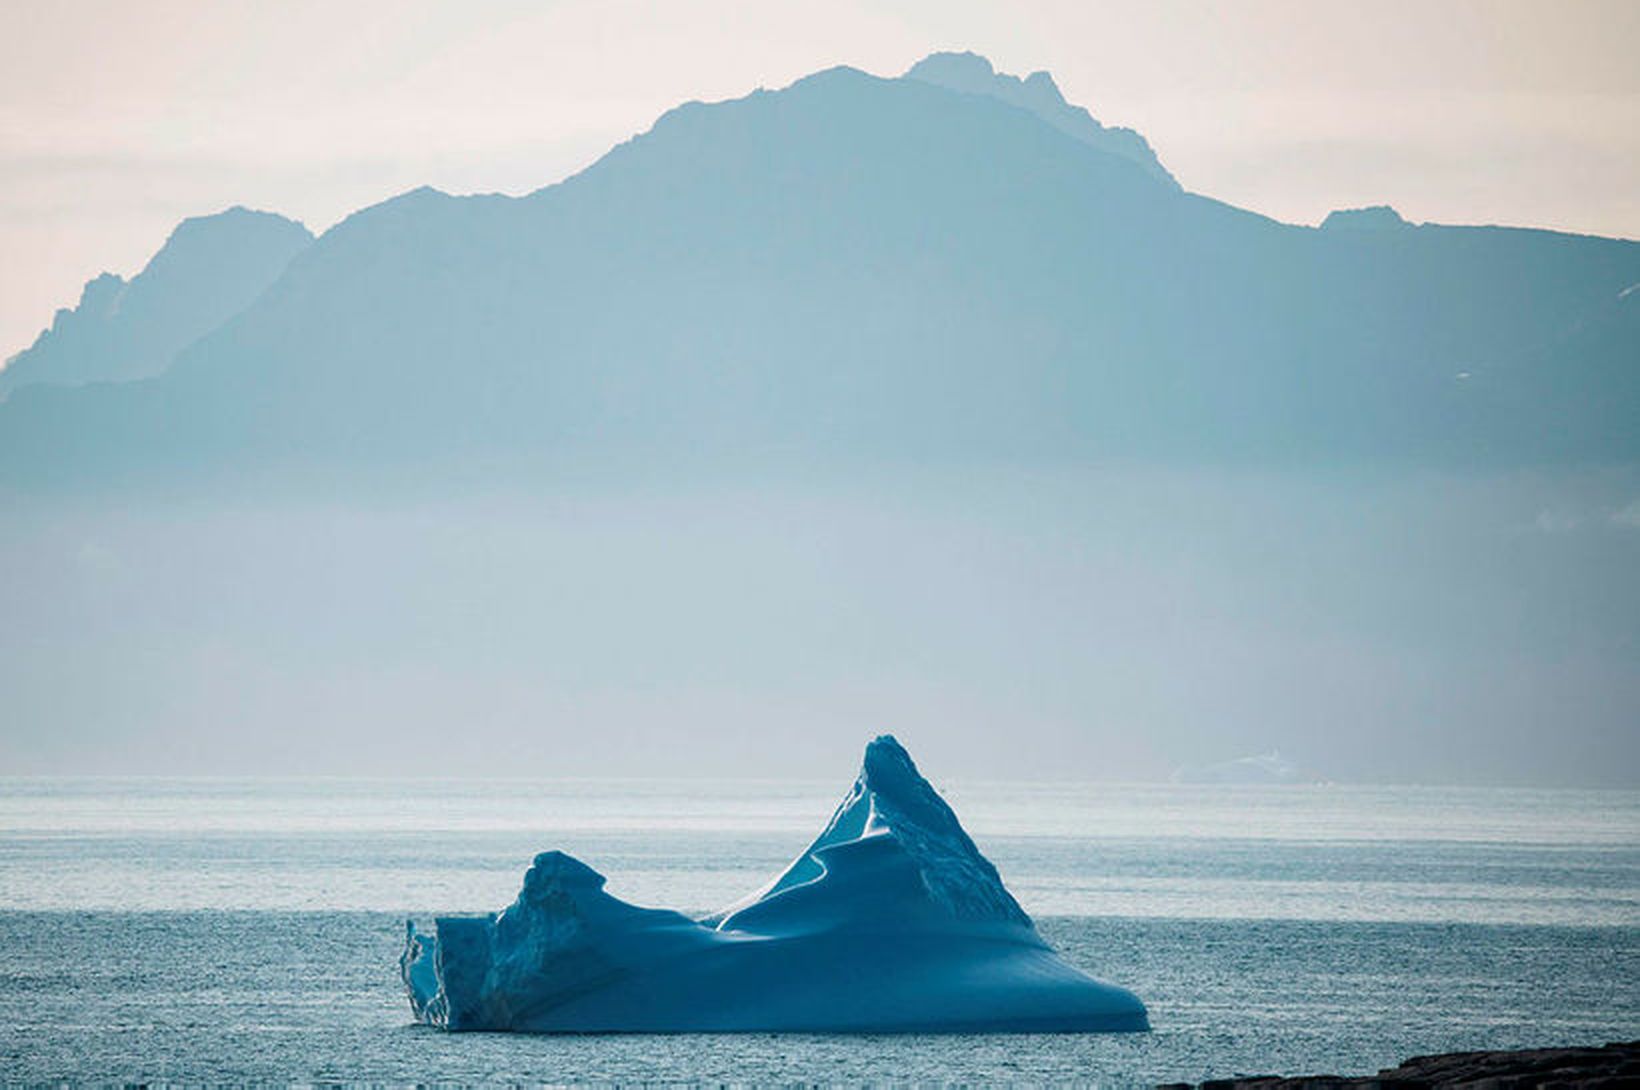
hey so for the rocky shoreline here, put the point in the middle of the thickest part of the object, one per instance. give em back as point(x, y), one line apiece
point(1609, 1066)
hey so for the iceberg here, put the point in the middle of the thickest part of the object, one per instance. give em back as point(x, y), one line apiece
point(1264, 768)
point(890, 922)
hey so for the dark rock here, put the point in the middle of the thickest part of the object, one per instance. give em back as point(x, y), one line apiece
point(1613, 1065)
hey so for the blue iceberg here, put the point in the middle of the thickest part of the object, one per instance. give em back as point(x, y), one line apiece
point(891, 921)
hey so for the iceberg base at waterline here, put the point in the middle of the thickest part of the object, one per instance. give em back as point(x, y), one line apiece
point(891, 921)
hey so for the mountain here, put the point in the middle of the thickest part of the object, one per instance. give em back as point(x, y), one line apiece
point(210, 269)
point(856, 267)
point(1379, 217)
point(969, 73)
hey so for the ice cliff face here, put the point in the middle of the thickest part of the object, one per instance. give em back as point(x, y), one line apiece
point(562, 938)
point(890, 921)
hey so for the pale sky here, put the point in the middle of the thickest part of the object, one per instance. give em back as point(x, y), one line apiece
point(118, 118)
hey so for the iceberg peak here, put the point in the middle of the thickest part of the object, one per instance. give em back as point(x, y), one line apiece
point(554, 871)
point(891, 799)
point(886, 757)
point(956, 875)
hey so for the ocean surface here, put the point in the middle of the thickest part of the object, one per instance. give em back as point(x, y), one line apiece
point(233, 930)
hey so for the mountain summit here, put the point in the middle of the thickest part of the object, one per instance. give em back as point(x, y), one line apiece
point(972, 74)
point(210, 269)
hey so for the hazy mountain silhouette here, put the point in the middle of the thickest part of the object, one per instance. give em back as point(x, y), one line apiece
point(210, 269)
point(972, 74)
point(862, 267)
point(1379, 217)
point(863, 401)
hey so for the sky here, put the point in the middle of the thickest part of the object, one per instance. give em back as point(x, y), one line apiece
point(119, 119)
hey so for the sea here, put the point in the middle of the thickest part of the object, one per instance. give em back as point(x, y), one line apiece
point(247, 930)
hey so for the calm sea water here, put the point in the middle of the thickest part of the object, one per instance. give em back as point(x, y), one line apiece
point(241, 929)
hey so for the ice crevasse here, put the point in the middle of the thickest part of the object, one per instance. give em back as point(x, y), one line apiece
point(891, 921)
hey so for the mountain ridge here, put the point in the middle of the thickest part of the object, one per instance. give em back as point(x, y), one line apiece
point(209, 268)
point(873, 265)
point(971, 73)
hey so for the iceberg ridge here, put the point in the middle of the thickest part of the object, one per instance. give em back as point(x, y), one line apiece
point(890, 921)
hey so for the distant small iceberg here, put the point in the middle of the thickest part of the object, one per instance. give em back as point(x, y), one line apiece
point(890, 922)
point(1270, 768)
